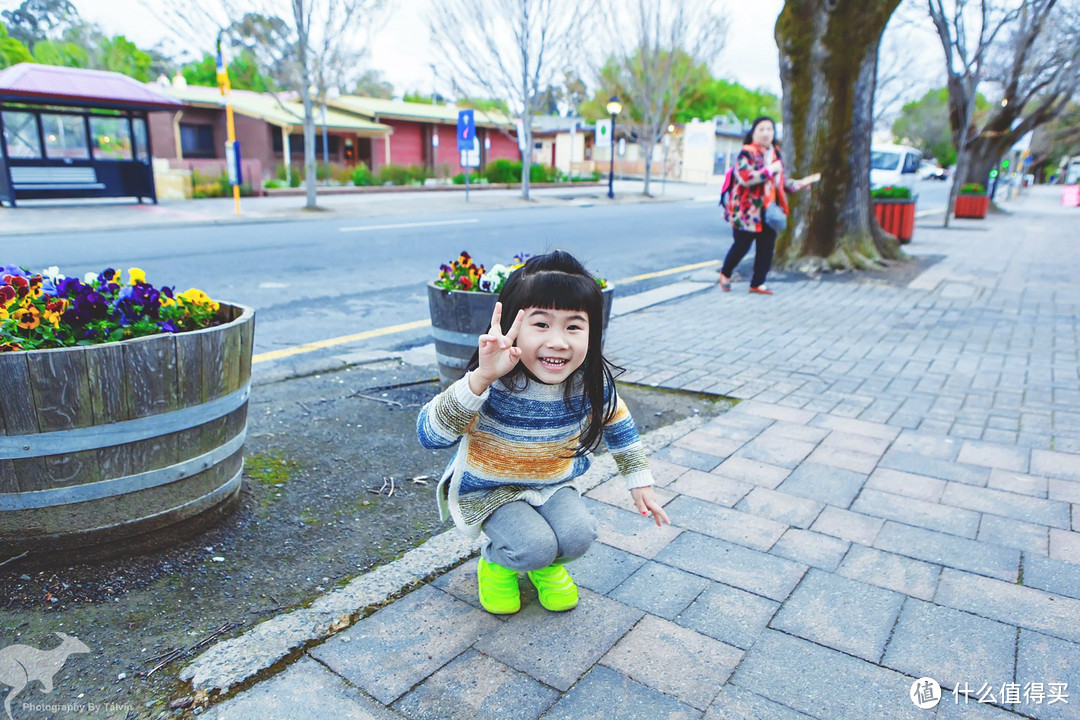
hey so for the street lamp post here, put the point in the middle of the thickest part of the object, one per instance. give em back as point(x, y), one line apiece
point(614, 107)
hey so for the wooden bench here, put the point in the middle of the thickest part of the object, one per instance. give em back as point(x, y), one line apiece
point(55, 178)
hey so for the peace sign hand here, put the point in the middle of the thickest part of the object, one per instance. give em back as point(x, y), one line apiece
point(498, 355)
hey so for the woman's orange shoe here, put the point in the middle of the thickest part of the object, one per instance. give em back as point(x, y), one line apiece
point(725, 283)
point(761, 290)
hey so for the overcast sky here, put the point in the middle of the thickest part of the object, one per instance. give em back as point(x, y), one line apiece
point(400, 48)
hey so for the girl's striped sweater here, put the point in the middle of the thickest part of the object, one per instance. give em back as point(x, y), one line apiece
point(517, 445)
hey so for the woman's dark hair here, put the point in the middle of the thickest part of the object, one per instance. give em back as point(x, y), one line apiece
point(753, 126)
point(558, 281)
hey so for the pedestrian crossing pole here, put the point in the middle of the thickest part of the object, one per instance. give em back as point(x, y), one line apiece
point(232, 148)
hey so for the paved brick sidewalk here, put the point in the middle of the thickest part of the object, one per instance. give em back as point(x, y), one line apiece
point(897, 497)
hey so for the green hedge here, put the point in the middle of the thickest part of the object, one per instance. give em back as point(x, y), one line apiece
point(972, 189)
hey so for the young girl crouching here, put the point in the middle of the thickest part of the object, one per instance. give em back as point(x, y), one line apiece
point(537, 400)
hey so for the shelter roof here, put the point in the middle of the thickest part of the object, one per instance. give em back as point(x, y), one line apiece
point(53, 85)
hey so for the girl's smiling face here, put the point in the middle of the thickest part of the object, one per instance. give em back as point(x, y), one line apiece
point(553, 343)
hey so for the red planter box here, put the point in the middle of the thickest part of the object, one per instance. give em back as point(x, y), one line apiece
point(972, 206)
point(896, 217)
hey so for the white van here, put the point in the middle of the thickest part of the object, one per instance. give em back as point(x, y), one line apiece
point(896, 165)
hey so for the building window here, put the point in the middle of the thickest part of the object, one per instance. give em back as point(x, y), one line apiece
point(197, 141)
point(296, 144)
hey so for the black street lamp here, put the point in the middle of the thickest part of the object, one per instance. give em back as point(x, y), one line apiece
point(614, 107)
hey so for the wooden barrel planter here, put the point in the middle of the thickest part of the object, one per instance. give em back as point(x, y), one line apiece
point(458, 318)
point(123, 447)
point(972, 206)
point(896, 217)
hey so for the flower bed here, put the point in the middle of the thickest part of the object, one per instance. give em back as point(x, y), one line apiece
point(47, 310)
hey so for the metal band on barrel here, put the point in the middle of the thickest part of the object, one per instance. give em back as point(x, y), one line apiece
point(20, 447)
point(122, 485)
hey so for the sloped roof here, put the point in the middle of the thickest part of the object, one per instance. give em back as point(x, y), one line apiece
point(53, 85)
point(378, 108)
point(287, 113)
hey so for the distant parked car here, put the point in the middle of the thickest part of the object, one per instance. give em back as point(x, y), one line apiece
point(895, 165)
point(930, 171)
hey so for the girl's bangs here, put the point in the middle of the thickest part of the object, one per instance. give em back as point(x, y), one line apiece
point(561, 291)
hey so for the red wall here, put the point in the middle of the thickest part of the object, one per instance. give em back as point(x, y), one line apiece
point(406, 144)
point(502, 146)
point(409, 138)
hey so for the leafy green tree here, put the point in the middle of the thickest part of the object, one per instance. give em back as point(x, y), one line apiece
point(924, 123)
point(243, 73)
point(708, 97)
point(57, 52)
point(119, 54)
point(37, 20)
point(485, 105)
point(415, 96)
point(12, 51)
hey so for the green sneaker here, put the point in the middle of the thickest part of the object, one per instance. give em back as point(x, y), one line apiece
point(555, 587)
point(498, 588)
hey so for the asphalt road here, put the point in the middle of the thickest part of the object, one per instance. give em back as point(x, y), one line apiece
point(314, 280)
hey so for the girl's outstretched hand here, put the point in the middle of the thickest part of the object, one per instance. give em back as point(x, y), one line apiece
point(498, 355)
point(645, 501)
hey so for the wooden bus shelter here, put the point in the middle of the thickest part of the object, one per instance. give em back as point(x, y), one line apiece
point(75, 133)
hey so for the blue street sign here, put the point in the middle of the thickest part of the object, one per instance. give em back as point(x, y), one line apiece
point(466, 130)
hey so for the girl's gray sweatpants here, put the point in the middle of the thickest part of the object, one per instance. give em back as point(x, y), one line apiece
point(523, 537)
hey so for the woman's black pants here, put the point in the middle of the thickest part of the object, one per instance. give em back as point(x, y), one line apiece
point(766, 240)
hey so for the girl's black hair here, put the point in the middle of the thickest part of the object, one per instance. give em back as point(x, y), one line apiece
point(558, 281)
point(753, 126)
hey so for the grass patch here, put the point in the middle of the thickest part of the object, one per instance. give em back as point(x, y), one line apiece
point(268, 469)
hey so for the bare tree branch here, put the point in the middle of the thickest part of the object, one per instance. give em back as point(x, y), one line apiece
point(307, 46)
point(657, 44)
point(510, 49)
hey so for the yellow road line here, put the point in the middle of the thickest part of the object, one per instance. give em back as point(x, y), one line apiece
point(309, 347)
point(331, 342)
point(672, 271)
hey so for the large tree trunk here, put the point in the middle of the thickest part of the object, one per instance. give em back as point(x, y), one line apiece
point(983, 154)
point(828, 62)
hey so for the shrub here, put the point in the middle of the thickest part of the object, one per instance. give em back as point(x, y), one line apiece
point(972, 189)
point(361, 176)
point(542, 174)
point(417, 174)
point(459, 179)
point(274, 184)
point(891, 192)
point(393, 175)
point(503, 171)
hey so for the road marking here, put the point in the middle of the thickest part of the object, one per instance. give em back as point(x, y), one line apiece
point(672, 271)
point(409, 225)
point(309, 347)
point(404, 327)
